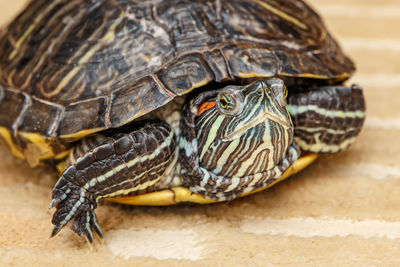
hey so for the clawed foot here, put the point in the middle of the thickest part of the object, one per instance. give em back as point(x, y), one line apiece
point(76, 204)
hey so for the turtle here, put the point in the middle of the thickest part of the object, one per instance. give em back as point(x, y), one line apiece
point(150, 102)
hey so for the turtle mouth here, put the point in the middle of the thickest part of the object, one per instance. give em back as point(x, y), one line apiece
point(263, 117)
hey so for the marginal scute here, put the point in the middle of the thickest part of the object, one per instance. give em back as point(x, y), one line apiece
point(83, 115)
point(186, 73)
point(329, 65)
point(40, 117)
point(139, 98)
point(312, 64)
point(292, 64)
point(12, 104)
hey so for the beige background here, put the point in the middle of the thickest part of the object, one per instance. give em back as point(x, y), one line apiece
point(345, 209)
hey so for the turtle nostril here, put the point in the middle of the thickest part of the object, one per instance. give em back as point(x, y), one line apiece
point(260, 91)
point(262, 88)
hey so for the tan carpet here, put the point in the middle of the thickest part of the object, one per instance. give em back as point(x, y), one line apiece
point(345, 209)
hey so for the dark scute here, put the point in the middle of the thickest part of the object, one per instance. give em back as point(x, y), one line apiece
point(69, 173)
point(151, 142)
point(83, 115)
point(103, 151)
point(84, 161)
point(217, 63)
point(11, 106)
point(182, 84)
point(141, 97)
point(116, 161)
point(130, 155)
point(123, 144)
point(41, 117)
point(245, 60)
point(191, 25)
point(140, 137)
point(159, 133)
point(290, 63)
point(184, 73)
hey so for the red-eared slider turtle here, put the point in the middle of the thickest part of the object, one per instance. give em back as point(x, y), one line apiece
point(172, 101)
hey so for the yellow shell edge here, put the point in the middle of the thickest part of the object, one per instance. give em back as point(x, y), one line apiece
point(177, 195)
point(82, 133)
point(9, 142)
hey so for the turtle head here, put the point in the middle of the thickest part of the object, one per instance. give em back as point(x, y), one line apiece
point(243, 130)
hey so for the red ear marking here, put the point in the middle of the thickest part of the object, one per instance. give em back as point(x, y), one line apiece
point(205, 106)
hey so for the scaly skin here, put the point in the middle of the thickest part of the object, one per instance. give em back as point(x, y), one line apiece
point(139, 161)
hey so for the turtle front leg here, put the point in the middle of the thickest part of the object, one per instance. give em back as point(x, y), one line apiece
point(327, 119)
point(119, 166)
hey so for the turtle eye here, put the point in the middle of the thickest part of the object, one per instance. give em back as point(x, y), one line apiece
point(230, 102)
point(223, 102)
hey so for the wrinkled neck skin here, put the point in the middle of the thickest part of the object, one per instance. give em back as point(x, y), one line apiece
point(191, 172)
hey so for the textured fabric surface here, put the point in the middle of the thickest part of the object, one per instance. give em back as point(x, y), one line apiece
point(344, 209)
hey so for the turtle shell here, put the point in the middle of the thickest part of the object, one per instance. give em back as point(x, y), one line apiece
point(71, 68)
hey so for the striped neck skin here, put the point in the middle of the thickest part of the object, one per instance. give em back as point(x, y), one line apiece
point(235, 132)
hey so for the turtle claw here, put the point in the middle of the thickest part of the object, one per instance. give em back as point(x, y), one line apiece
point(96, 226)
point(85, 224)
point(53, 203)
point(60, 192)
point(88, 235)
point(56, 229)
point(74, 204)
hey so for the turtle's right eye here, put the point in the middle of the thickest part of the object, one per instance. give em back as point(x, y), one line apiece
point(223, 102)
point(230, 102)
